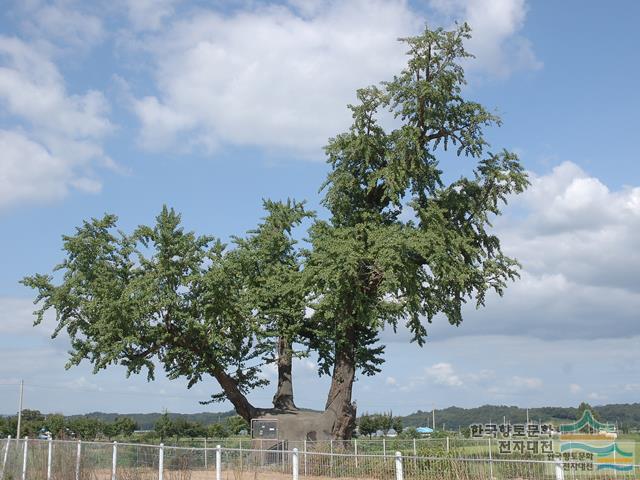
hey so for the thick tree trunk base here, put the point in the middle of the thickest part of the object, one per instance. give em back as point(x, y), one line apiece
point(309, 425)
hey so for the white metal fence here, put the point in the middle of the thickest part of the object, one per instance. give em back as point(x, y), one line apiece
point(28, 459)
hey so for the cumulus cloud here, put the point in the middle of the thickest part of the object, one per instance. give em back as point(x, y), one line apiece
point(530, 383)
point(269, 77)
point(56, 136)
point(579, 227)
point(280, 76)
point(497, 43)
point(62, 25)
point(597, 396)
point(147, 15)
point(443, 374)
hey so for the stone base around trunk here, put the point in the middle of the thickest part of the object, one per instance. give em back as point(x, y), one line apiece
point(301, 424)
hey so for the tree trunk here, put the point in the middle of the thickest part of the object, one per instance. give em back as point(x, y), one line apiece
point(339, 405)
point(240, 402)
point(283, 399)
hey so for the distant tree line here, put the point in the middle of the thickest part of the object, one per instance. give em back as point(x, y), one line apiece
point(169, 426)
point(147, 421)
point(166, 427)
point(35, 423)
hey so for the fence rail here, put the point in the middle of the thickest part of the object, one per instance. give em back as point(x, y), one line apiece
point(29, 459)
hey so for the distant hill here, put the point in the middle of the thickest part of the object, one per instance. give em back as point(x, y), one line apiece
point(625, 415)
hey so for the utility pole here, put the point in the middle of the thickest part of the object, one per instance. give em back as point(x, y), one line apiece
point(527, 416)
point(433, 417)
point(20, 409)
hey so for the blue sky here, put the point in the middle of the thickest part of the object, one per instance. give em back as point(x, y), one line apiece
point(209, 107)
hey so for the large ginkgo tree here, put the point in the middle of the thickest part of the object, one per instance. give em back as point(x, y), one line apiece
point(399, 246)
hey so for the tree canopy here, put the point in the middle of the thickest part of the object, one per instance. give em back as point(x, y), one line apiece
point(400, 245)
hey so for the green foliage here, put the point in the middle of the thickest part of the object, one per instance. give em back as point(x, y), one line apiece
point(585, 406)
point(55, 424)
point(32, 416)
point(85, 428)
point(367, 425)
point(410, 432)
point(401, 244)
point(370, 424)
point(217, 430)
point(125, 426)
point(237, 424)
point(8, 426)
point(164, 426)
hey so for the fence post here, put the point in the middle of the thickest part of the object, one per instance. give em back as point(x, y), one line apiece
point(415, 454)
point(294, 464)
point(114, 461)
point(447, 444)
point(331, 456)
point(240, 448)
point(78, 454)
point(218, 462)
point(49, 452)
point(4, 459)
point(559, 470)
point(305, 457)
point(205, 453)
point(161, 462)
point(355, 450)
point(490, 461)
point(399, 475)
point(384, 450)
point(24, 458)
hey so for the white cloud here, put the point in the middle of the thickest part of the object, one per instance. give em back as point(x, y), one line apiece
point(269, 77)
point(148, 14)
point(530, 383)
point(280, 76)
point(62, 25)
point(32, 88)
point(499, 47)
point(391, 381)
point(575, 388)
point(57, 136)
point(82, 384)
point(443, 374)
point(596, 396)
point(28, 171)
point(309, 365)
point(16, 317)
point(31, 361)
